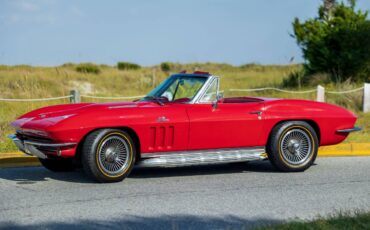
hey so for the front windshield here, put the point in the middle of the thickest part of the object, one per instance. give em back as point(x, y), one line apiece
point(178, 88)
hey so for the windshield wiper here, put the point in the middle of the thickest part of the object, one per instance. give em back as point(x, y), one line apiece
point(156, 99)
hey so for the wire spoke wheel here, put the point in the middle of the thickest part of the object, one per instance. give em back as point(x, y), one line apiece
point(113, 155)
point(296, 146)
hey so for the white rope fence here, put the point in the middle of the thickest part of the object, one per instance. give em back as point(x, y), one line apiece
point(65, 97)
point(269, 88)
point(75, 96)
point(347, 91)
point(294, 91)
point(35, 99)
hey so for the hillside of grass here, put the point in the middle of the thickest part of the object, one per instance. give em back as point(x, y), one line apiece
point(103, 80)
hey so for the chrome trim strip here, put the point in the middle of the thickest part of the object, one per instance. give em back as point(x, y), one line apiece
point(32, 150)
point(17, 142)
point(51, 145)
point(354, 129)
point(201, 157)
point(162, 119)
point(121, 106)
point(12, 136)
point(159, 154)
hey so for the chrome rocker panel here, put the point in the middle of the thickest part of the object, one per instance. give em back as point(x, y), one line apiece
point(31, 147)
point(201, 157)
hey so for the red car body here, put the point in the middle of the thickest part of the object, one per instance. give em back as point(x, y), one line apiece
point(235, 123)
point(184, 121)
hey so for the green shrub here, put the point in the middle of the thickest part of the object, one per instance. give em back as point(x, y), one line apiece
point(88, 68)
point(68, 65)
point(165, 66)
point(336, 42)
point(127, 66)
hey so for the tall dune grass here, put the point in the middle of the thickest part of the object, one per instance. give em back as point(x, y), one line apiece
point(43, 82)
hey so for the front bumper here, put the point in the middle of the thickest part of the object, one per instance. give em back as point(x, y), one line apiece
point(39, 149)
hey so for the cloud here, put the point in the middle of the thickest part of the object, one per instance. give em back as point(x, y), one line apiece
point(27, 6)
point(10, 18)
point(49, 2)
point(77, 11)
point(29, 12)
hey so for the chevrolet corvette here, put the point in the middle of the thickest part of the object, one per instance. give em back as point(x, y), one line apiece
point(184, 121)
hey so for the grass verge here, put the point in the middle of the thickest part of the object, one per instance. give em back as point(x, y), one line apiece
point(358, 221)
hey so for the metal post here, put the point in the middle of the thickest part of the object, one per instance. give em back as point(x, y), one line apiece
point(366, 106)
point(320, 94)
point(76, 97)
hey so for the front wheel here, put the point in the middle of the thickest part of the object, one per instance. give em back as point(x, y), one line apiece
point(108, 155)
point(292, 146)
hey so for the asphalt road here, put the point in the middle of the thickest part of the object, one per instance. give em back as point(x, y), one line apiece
point(216, 197)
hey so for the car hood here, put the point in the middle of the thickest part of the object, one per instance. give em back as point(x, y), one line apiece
point(46, 117)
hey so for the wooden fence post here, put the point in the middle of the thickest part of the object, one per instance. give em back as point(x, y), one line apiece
point(320, 94)
point(366, 106)
point(153, 77)
point(76, 97)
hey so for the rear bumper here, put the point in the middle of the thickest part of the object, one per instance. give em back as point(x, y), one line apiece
point(39, 149)
point(354, 129)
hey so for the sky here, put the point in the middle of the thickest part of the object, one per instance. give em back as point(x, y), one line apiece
point(147, 32)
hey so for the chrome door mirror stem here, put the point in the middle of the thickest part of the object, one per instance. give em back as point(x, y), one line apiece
point(219, 98)
point(215, 104)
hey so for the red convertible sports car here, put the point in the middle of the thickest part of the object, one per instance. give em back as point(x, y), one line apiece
point(184, 121)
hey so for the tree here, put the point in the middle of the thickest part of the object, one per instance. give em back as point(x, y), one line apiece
point(337, 42)
point(328, 7)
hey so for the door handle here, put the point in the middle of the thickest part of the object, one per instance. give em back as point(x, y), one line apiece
point(259, 113)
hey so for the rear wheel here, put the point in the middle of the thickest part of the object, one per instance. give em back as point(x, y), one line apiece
point(108, 155)
point(292, 146)
point(58, 165)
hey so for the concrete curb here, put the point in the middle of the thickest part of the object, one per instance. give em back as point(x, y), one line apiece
point(19, 159)
point(350, 149)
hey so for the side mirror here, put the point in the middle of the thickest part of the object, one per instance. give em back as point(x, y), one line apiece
point(219, 98)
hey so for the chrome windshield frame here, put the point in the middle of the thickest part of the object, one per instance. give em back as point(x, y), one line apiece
point(204, 88)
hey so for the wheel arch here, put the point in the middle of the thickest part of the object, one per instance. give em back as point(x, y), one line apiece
point(130, 131)
point(312, 123)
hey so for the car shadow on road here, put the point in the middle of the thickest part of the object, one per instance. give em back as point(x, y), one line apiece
point(30, 175)
point(241, 167)
point(155, 222)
